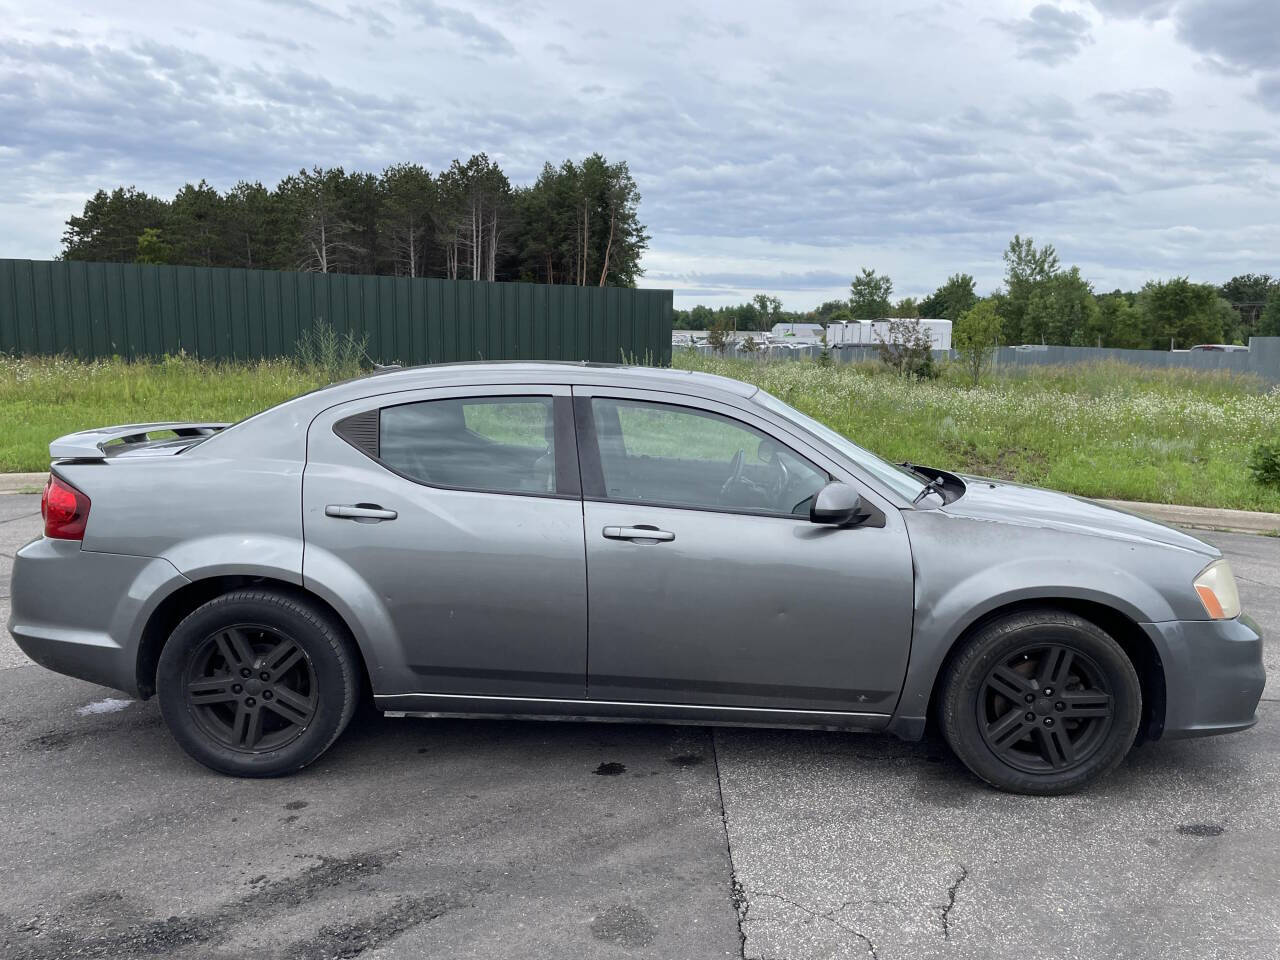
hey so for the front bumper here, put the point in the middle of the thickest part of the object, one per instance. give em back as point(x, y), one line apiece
point(1213, 675)
point(81, 613)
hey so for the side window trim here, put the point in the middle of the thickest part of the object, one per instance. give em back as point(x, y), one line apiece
point(568, 472)
point(568, 480)
point(593, 486)
point(588, 449)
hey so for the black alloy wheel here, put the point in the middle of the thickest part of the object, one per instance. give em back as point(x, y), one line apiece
point(258, 682)
point(1045, 708)
point(251, 687)
point(1040, 701)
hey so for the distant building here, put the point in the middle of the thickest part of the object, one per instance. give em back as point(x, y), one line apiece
point(867, 333)
point(802, 330)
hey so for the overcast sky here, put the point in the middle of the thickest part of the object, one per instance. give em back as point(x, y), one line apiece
point(778, 146)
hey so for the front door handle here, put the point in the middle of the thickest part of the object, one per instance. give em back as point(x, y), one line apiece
point(363, 512)
point(641, 532)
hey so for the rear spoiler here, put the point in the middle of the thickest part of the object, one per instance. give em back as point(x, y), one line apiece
point(91, 444)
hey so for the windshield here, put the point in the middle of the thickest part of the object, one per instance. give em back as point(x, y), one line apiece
point(901, 481)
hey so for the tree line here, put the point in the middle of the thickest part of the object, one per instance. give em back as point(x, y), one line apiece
point(577, 224)
point(1041, 302)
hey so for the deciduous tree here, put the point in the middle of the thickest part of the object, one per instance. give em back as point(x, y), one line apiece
point(950, 300)
point(976, 337)
point(869, 294)
point(1180, 313)
point(1269, 323)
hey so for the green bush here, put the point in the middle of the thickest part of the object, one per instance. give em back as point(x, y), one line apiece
point(1264, 464)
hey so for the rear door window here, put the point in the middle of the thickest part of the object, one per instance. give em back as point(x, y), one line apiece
point(492, 444)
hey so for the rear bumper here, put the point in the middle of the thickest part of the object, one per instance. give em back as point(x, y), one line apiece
point(81, 613)
point(1213, 675)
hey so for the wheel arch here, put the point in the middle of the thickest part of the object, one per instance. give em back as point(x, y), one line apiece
point(188, 597)
point(1135, 642)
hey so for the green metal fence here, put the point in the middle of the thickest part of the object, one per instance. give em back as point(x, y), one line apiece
point(91, 310)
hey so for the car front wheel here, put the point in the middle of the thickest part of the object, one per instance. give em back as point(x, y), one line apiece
point(1041, 702)
point(256, 683)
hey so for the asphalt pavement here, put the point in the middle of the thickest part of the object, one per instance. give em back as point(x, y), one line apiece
point(419, 838)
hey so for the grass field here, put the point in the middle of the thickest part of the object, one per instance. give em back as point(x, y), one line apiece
point(41, 399)
point(1105, 431)
point(1108, 430)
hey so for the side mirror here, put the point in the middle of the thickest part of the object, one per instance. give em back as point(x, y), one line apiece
point(838, 504)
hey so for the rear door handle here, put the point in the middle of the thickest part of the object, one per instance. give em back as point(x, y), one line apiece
point(366, 512)
point(641, 532)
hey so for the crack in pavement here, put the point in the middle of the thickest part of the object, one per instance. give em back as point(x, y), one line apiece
point(1259, 583)
point(740, 897)
point(23, 516)
point(829, 916)
point(737, 896)
point(951, 902)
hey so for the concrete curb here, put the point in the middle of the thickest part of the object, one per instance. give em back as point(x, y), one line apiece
point(1205, 518)
point(22, 482)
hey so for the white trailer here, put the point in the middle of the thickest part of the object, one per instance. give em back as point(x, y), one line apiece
point(871, 333)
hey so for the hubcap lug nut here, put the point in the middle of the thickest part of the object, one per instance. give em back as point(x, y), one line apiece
point(1030, 716)
point(1059, 706)
point(236, 688)
point(267, 694)
point(1048, 691)
point(1048, 721)
point(1031, 698)
point(246, 673)
point(264, 675)
point(251, 702)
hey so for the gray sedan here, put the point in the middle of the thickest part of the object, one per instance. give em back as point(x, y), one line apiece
point(614, 543)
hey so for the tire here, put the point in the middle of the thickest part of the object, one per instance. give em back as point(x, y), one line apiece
point(257, 683)
point(1018, 737)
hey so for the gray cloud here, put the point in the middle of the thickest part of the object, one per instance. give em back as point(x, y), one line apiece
point(1144, 9)
point(373, 19)
point(1269, 91)
point(565, 55)
point(273, 42)
point(732, 281)
point(1148, 101)
point(1049, 34)
point(1240, 33)
point(783, 162)
point(461, 24)
point(1236, 37)
point(309, 7)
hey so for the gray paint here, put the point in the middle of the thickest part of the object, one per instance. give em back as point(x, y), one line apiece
point(492, 603)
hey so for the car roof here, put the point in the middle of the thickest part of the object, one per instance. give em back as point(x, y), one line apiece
point(520, 371)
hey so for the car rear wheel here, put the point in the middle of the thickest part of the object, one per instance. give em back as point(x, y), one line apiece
point(256, 683)
point(1041, 702)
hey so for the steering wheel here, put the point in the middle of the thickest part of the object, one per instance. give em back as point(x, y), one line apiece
point(781, 478)
point(735, 471)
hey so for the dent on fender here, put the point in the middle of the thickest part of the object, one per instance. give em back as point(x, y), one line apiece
point(364, 612)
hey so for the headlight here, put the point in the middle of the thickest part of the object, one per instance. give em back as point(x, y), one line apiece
point(1217, 588)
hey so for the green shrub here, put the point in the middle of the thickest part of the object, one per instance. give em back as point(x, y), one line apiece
point(336, 356)
point(1264, 464)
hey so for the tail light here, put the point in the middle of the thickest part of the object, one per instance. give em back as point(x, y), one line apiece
point(65, 510)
